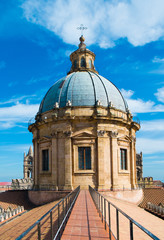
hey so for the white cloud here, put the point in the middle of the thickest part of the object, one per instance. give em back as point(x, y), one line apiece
point(149, 146)
point(127, 93)
point(15, 99)
point(158, 60)
point(154, 125)
point(140, 106)
point(19, 113)
point(139, 21)
point(160, 94)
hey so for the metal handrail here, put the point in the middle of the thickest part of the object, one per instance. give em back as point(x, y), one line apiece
point(101, 202)
point(69, 201)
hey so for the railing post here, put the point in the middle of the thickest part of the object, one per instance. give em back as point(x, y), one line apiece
point(51, 223)
point(105, 212)
point(109, 220)
point(66, 205)
point(58, 216)
point(39, 232)
point(101, 209)
point(117, 222)
point(131, 230)
point(63, 211)
point(99, 205)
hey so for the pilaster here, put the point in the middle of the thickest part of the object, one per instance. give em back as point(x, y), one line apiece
point(114, 160)
point(132, 162)
point(68, 161)
point(100, 152)
point(54, 163)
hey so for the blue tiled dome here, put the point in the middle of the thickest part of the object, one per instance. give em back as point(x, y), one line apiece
point(83, 88)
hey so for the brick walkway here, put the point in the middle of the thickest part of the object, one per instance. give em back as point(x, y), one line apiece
point(84, 221)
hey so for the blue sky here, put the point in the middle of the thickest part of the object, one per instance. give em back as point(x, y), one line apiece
point(36, 39)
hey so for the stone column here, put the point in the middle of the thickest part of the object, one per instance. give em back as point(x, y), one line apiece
point(132, 162)
point(68, 161)
point(36, 162)
point(100, 152)
point(114, 160)
point(54, 162)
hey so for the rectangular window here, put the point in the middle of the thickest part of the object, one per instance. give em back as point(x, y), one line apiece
point(84, 158)
point(45, 160)
point(123, 159)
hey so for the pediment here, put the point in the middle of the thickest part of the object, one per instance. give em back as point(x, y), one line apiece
point(44, 139)
point(124, 138)
point(83, 134)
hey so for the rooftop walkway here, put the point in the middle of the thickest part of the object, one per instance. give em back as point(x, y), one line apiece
point(11, 230)
point(152, 223)
point(84, 222)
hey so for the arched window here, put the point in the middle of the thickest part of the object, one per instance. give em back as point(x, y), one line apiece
point(75, 64)
point(90, 63)
point(83, 64)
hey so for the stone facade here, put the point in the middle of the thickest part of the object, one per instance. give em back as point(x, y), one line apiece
point(28, 164)
point(74, 130)
point(139, 166)
point(22, 184)
point(106, 132)
point(145, 182)
point(27, 181)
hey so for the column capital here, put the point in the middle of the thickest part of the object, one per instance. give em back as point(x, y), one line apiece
point(68, 133)
point(113, 134)
point(100, 133)
point(133, 139)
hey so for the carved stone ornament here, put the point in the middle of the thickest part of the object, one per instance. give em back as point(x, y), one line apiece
point(67, 133)
point(98, 103)
point(110, 104)
point(100, 133)
point(56, 105)
point(113, 134)
point(54, 134)
point(68, 104)
point(133, 139)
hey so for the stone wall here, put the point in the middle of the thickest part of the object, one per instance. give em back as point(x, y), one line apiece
point(42, 197)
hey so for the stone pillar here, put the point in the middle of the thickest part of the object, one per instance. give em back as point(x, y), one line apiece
point(36, 162)
point(68, 161)
point(100, 152)
point(54, 163)
point(132, 162)
point(114, 160)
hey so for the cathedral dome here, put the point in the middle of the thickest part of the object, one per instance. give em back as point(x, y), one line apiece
point(83, 88)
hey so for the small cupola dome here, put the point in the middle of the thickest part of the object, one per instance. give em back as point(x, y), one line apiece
point(82, 59)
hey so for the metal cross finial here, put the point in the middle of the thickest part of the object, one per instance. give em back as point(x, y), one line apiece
point(82, 28)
